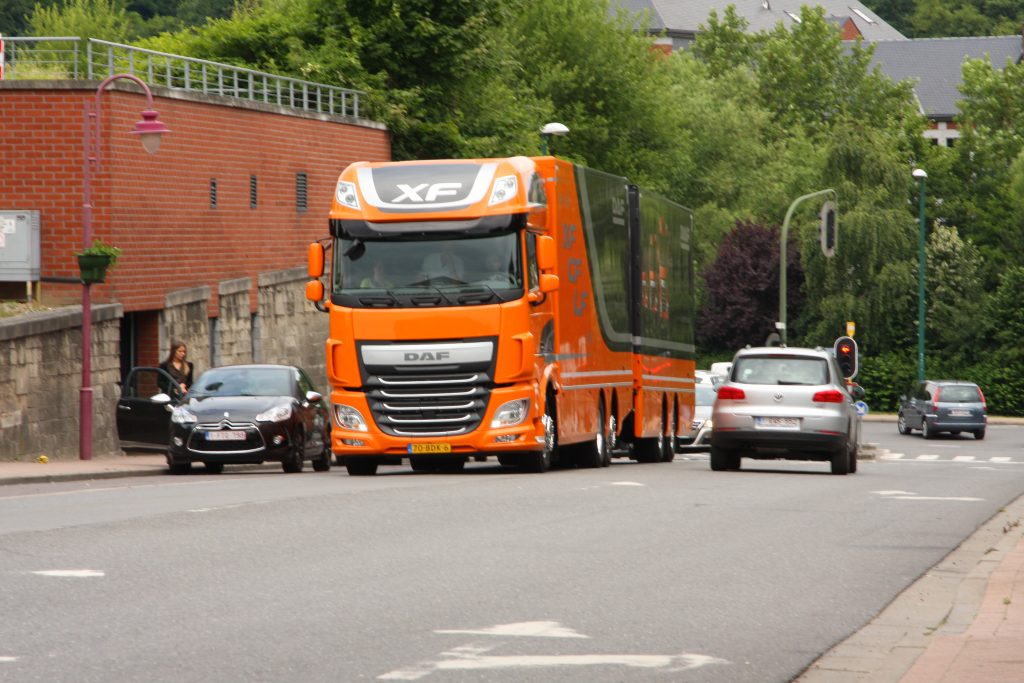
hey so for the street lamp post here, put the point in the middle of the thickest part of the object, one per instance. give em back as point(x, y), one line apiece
point(547, 131)
point(149, 130)
point(920, 174)
point(780, 325)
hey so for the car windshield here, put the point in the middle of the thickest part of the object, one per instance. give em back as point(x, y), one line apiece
point(243, 382)
point(705, 395)
point(781, 370)
point(434, 272)
point(961, 393)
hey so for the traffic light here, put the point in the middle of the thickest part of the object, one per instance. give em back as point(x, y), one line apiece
point(846, 356)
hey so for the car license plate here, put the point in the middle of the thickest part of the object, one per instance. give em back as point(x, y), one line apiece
point(960, 413)
point(226, 435)
point(419, 448)
point(777, 422)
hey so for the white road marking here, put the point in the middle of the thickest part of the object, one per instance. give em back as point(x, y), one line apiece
point(999, 458)
point(71, 573)
point(539, 629)
point(895, 493)
point(892, 456)
point(963, 458)
point(681, 662)
point(425, 668)
point(927, 457)
point(627, 483)
point(8, 659)
point(950, 498)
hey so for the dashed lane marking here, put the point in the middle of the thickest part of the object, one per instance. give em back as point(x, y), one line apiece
point(71, 573)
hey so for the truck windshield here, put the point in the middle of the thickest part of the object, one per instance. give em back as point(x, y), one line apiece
point(437, 272)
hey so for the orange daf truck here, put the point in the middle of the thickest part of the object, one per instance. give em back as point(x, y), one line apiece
point(525, 308)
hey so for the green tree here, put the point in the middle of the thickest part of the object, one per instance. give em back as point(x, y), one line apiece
point(955, 329)
point(104, 19)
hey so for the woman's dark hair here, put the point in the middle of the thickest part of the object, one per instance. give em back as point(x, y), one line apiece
point(175, 345)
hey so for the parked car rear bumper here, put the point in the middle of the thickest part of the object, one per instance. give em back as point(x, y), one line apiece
point(954, 424)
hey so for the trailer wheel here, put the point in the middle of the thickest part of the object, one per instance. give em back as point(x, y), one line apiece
point(668, 444)
point(595, 453)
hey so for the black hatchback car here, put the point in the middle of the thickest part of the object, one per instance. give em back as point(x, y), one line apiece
point(935, 406)
point(234, 414)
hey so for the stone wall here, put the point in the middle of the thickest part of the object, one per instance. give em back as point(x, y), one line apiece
point(40, 356)
point(41, 379)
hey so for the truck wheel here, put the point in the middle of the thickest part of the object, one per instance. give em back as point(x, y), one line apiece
point(595, 453)
point(451, 466)
point(668, 444)
point(540, 461)
point(508, 460)
point(361, 467)
point(649, 450)
point(422, 464)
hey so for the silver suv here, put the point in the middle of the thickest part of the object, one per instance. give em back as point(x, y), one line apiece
point(787, 403)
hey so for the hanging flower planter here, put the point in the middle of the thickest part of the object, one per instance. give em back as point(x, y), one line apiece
point(94, 261)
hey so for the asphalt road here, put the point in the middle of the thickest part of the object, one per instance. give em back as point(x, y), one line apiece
point(666, 572)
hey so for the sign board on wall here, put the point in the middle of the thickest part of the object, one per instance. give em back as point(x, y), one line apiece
point(19, 246)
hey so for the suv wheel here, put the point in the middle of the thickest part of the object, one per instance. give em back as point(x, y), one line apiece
point(926, 430)
point(901, 424)
point(841, 460)
point(979, 434)
point(724, 459)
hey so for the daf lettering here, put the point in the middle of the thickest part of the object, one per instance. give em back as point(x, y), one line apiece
point(415, 357)
point(413, 194)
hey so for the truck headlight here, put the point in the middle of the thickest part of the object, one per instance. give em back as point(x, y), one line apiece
point(183, 416)
point(349, 418)
point(276, 414)
point(505, 188)
point(511, 413)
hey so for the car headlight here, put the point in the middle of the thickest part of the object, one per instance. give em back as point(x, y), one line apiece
point(511, 413)
point(505, 188)
point(349, 418)
point(183, 416)
point(346, 195)
point(276, 414)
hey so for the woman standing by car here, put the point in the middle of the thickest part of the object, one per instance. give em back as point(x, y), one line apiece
point(177, 367)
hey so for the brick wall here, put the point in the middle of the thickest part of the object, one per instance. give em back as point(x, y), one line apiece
point(157, 207)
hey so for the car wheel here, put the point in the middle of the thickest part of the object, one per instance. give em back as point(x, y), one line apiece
point(841, 460)
point(926, 430)
point(179, 467)
point(901, 424)
point(540, 461)
point(723, 459)
point(294, 461)
point(361, 467)
point(979, 434)
point(213, 467)
point(595, 453)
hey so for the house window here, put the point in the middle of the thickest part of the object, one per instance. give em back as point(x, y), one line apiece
point(301, 192)
point(252, 192)
point(213, 193)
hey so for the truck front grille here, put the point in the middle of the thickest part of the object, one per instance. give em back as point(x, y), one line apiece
point(425, 404)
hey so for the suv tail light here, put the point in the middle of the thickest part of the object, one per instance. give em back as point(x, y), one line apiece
point(731, 394)
point(982, 396)
point(935, 399)
point(828, 396)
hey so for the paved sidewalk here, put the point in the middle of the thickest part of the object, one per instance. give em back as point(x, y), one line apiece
point(962, 622)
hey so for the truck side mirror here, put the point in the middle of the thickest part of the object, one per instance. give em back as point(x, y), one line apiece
point(547, 259)
point(315, 291)
point(548, 283)
point(315, 261)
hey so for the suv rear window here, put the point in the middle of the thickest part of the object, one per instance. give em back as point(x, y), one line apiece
point(959, 393)
point(780, 370)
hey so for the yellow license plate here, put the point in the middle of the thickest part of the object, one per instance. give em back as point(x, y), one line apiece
point(419, 448)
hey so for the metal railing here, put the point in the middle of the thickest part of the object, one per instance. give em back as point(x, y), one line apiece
point(62, 57)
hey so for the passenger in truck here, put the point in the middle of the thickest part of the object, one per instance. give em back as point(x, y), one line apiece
point(377, 279)
point(444, 263)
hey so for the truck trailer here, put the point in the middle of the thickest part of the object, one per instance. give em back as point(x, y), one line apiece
point(524, 308)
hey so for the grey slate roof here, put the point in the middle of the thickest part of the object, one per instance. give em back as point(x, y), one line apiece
point(935, 64)
point(684, 17)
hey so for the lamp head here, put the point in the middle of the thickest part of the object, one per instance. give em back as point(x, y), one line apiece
point(554, 128)
point(919, 173)
point(149, 130)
